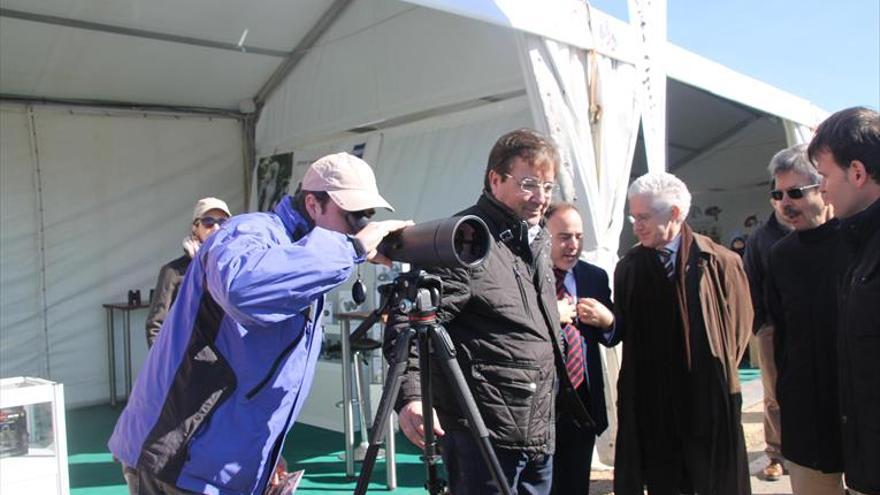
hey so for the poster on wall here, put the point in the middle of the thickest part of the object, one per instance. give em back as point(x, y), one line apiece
point(273, 174)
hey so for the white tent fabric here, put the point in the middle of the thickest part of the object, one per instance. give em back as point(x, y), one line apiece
point(648, 17)
point(797, 133)
point(94, 202)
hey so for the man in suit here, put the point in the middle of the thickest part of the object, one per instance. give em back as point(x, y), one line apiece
point(585, 321)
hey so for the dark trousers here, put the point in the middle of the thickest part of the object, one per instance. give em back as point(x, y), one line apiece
point(685, 471)
point(468, 475)
point(573, 457)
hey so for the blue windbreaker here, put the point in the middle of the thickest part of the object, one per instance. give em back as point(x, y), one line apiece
point(236, 356)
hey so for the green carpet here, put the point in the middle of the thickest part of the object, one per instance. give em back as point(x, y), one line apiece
point(748, 374)
point(93, 472)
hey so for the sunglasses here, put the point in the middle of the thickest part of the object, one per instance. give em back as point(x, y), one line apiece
point(210, 222)
point(793, 193)
point(359, 219)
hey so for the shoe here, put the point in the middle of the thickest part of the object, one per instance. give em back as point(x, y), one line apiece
point(773, 471)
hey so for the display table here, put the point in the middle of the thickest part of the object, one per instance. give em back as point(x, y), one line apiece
point(362, 388)
point(33, 437)
point(125, 309)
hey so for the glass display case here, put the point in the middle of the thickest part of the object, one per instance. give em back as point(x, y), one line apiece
point(33, 437)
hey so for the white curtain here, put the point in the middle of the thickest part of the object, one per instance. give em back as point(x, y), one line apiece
point(589, 104)
point(94, 201)
point(648, 18)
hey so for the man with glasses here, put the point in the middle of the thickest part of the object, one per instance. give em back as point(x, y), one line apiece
point(208, 215)
point(800, 278)
point(846, 151)
point(235, 359)
point(503, 319)
point(683, 311)
point(756, 260)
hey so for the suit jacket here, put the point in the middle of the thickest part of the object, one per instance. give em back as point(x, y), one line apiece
point(592, 281)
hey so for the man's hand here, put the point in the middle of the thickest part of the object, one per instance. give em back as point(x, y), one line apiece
point(567, 311)
point(371, 235)
point(592, 312)
point(411, 422)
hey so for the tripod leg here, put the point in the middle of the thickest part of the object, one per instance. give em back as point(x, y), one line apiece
point(433, 483)
point(444, 354)
point(386, 404)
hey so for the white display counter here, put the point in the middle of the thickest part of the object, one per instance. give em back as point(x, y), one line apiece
point(33, 437)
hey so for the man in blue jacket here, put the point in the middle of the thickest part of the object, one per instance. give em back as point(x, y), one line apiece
point(235, 358)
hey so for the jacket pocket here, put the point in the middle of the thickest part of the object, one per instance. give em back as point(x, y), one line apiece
point(514, 400)
point(522, 292)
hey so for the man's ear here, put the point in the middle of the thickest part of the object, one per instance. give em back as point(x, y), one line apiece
point(675, 214)
point(857, 173)
point(312, 206)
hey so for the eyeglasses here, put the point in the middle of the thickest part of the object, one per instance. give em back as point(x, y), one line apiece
point(532, 185)
point(210, 222)
point(641, 217)
point(793, 193)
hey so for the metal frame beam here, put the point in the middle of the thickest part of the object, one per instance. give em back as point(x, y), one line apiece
point(138, 33)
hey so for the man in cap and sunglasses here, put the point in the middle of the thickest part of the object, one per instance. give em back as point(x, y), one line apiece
point(208, 215)
point(235, 360)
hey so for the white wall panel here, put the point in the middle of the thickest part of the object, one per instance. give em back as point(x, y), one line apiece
point(118, 192)
point(22, 339)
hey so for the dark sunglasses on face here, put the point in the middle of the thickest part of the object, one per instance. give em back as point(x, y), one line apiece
point(357, 220)
point(210, 222)
point(793, 193)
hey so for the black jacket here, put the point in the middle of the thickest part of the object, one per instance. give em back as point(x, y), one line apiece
point(859, 350)
point(170, 277)
point(799, 289)
point(756, 260)
point(502, 318)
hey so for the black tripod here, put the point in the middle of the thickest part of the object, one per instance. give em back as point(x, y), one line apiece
point(418, 295)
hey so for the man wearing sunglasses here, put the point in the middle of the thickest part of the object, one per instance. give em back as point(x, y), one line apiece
point(235, 359)
point(504, 322)
point(846, 151)
point(208, 215)
point(756, 260)
point(800, 278)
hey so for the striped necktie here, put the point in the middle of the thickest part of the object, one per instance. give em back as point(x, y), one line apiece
point(667, 260)
point(575, 361)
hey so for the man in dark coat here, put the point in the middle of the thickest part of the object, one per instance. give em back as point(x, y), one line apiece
point(504, 323)
point(586, 320)
point(846, 151)
point(683, 309)
point(800, 282)
point(756, 261)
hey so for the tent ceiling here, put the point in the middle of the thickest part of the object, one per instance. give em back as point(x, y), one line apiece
point(159, 51)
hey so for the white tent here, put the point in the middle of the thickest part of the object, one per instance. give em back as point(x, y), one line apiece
point(116, 117)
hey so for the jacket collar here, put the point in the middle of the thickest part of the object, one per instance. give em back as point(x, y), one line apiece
point(861, 226)
point(505, 225)
point(293, 221)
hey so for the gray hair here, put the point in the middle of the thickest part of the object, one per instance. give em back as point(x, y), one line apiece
point(793, 159)
point(665, 191)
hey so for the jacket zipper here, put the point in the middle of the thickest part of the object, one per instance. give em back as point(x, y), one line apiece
point(252, 392)
point(522, 292)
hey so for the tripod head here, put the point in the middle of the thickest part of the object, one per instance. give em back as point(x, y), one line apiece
point(416, 293)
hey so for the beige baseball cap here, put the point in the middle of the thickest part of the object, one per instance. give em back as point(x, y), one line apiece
point(348, 180)
point(205, 205)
